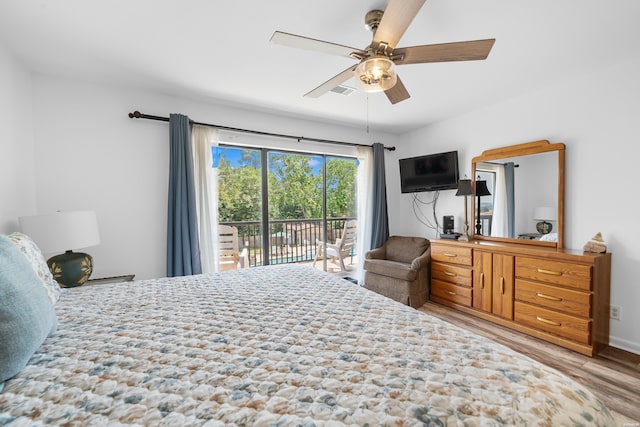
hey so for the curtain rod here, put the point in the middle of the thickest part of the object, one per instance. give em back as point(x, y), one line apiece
point(138, 115)
point(515, 165)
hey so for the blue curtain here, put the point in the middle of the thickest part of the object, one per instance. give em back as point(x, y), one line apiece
point(183, 252)
point(380, 219)
point(511, 202)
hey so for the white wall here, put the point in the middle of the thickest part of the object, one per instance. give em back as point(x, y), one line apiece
point(17, 167)
point(93, 156)
point(596, 116)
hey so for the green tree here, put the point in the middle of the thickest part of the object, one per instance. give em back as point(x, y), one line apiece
point(341, 187)
point(295, 188)
point(251, 158)
point(295, 192)
point(239, 192)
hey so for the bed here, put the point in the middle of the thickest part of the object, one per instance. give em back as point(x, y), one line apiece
point(283, 345)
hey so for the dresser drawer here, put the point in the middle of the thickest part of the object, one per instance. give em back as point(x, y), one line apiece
point(566, 300)
point(556, 272)
point(451, 254)
point(451, 292)
point(451, 273)
point(571, 327)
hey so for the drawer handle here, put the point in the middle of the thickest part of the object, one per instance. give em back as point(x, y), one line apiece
point(450, 255)
point(451, 293)
point(549, 297)
point(551, 272)
point(548, 322)
point(448, 273)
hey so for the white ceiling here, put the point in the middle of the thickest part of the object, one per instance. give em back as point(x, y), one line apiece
point(208, 49)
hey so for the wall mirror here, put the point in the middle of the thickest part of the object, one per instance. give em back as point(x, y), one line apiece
point(520, 194)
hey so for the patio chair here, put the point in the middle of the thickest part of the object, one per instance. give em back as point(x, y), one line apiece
point(342, 247)
point(230, 258)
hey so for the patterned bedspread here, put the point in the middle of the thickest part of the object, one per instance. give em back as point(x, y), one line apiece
point(281, 345)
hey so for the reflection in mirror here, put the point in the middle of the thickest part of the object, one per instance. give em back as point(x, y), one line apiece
point(522, 189)
point(482, 190)
point(518, 186)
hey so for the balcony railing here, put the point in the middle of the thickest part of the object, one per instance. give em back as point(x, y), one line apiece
point(290, 240)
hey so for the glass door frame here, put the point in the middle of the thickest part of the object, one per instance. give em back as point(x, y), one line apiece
point(265, 220)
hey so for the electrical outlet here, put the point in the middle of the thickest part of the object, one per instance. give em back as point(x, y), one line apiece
point(615, 312)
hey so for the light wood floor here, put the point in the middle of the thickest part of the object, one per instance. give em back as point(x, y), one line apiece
point(613, 375)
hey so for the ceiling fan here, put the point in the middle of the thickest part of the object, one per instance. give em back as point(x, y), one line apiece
point(375, 70)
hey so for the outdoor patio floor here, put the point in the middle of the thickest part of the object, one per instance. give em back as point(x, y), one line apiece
point(333, 267)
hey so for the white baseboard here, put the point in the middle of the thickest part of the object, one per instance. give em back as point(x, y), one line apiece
point(626, 345)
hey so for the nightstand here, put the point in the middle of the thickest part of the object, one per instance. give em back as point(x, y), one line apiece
point(530, 236)
point(113, 279)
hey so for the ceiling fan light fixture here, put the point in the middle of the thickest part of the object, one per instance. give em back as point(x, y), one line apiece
point(376, 74)
point(374, 70)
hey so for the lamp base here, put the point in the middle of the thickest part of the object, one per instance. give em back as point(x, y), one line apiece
point(71, 269)
point(544, 227)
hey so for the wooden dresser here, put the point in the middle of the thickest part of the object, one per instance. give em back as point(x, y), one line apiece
point(558, 295)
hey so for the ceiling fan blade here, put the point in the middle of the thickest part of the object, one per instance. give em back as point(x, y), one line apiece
point(396, 19)
point(457, 51)
point(331, 83)
point(397, 93)
point(307, 43)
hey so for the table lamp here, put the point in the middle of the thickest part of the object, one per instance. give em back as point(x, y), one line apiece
point(544, 214)
point(65, 231)
point(465, 189)
point(481, 190)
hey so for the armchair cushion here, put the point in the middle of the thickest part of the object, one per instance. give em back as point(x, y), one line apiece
point(385, 267)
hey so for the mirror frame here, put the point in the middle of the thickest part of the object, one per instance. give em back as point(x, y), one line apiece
point(527, 148)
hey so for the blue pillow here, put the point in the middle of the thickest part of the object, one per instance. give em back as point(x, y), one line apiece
point(27, 316)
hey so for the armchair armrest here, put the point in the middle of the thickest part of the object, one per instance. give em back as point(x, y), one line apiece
point(422, 261)
point(378, 253)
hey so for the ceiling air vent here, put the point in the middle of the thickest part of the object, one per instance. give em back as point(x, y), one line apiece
point(343, 90)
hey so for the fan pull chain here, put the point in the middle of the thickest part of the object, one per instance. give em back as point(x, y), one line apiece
point(367, 115)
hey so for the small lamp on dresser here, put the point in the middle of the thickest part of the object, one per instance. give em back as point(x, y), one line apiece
point(465, 189)
point(65, 231)
point(481, 190)
point(544, 215)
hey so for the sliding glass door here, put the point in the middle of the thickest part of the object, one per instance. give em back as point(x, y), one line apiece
point(283, 202)
point(295, 200)
point(240, 197)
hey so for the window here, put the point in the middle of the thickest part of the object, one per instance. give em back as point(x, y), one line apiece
point(294, 197)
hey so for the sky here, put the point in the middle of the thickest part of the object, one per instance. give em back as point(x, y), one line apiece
point(234, 155)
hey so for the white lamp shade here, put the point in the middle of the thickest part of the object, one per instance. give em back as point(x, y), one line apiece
point(544, 213)
point(62, 231)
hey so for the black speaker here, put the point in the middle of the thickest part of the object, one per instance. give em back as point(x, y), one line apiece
point(447, 224)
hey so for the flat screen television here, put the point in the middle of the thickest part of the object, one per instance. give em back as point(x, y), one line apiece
point(431, 172)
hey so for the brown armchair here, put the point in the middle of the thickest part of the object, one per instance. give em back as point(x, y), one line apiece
point(399, 269)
